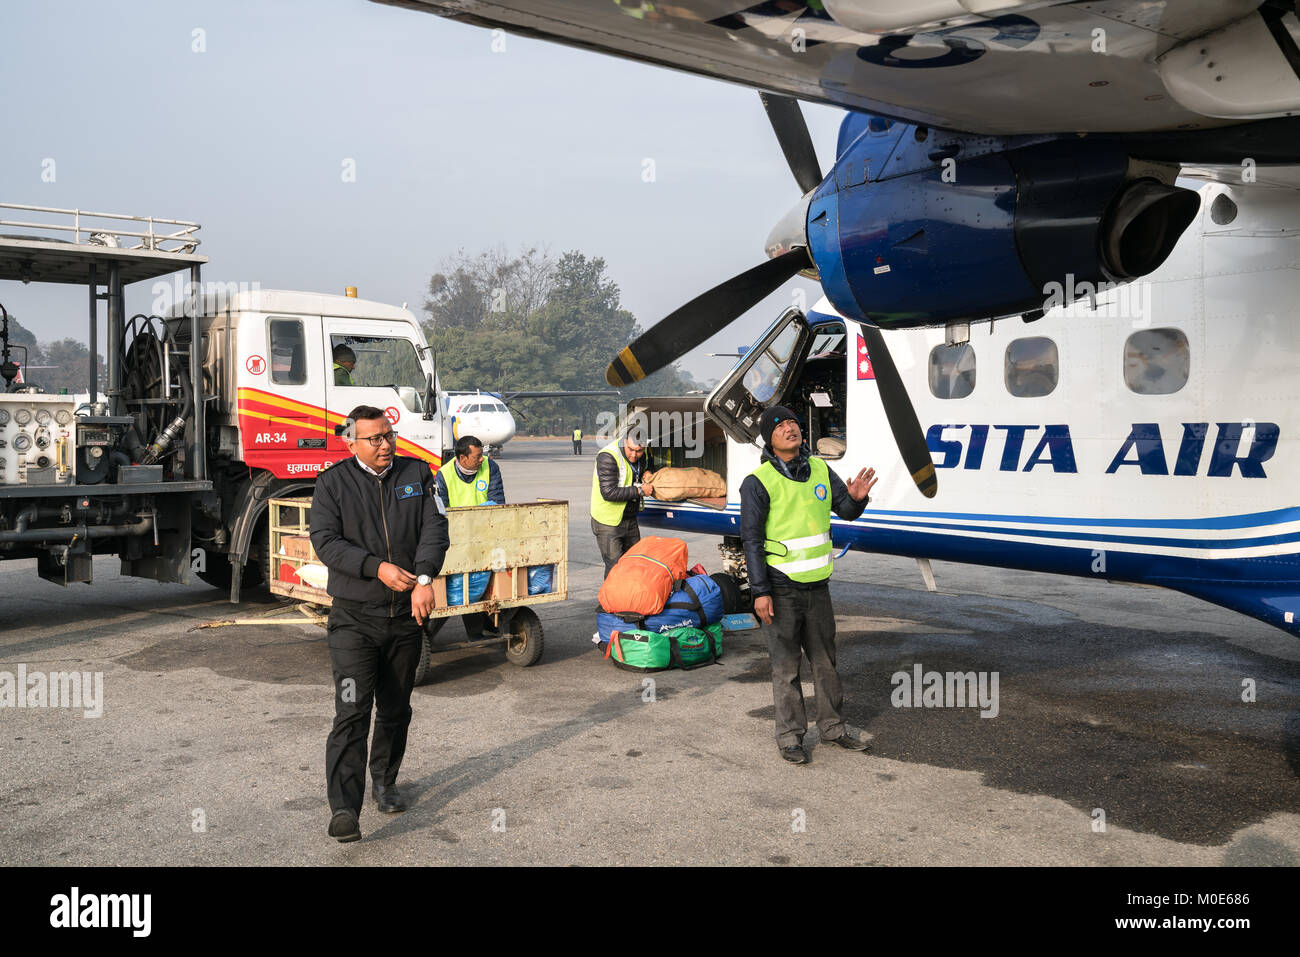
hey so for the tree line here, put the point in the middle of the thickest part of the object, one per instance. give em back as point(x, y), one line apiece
point(536, 322)
point(59, 366)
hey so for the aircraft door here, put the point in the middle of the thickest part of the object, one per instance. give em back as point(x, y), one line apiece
point(761, 379)
point(389, 371)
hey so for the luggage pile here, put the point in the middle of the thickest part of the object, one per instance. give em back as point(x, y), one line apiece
point(658, 614)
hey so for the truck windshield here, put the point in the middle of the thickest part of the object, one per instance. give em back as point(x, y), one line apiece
point(389, 362)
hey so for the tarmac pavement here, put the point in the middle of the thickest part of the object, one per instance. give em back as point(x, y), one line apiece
point(1115, 704)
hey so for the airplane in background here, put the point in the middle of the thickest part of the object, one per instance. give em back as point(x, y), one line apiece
point(487, 415)
point(1013, 164)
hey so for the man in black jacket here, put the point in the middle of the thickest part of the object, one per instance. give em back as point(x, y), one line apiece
point(380, 528)
point(785, 524)
point(617, 490)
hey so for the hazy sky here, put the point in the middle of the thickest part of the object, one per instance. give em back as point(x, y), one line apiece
point(454, 146)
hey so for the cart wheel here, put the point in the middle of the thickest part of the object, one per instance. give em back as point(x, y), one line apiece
point(422, 666)
point(423, 673)
point(524, 640)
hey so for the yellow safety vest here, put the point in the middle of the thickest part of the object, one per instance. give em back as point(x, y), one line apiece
point(605, 512)
point(460, 494)
point(798, 529)
point(577, 435)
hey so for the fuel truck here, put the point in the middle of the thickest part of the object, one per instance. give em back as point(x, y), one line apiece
point(212, 403)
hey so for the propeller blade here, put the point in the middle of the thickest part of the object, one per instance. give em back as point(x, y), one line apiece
point(902, 417)
point(796, 142)
point(683, 330)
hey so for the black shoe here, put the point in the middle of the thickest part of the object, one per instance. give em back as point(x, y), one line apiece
point(388, 798)
point(344, 827)
point(602, 647)
point(850, 741)
point(795, 754)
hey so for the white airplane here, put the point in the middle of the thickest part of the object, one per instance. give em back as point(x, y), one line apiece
point(1151, 439)
point(1003, 159)
point(483, 415)
point(487, 415)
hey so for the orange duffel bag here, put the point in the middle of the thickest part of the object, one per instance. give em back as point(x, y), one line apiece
point(642, 580)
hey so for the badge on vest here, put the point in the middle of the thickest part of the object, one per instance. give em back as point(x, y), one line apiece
point(408, 491)
point(820, 492)
point(481, 485)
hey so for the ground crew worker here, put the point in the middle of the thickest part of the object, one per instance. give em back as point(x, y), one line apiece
point(785, 522)
point(380, 529)
point(345, 361)
point(616, 495)
point(476, 480)
point(577, 441)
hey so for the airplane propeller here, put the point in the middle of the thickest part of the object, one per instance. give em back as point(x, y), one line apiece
point(710, 313)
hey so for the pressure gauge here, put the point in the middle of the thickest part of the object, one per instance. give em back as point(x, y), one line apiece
point(22, 442)
point(23, 416)
point(43, 417)
point(63, 417)
point(4, 418)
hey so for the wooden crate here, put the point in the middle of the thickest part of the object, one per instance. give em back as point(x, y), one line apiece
point(504, 539)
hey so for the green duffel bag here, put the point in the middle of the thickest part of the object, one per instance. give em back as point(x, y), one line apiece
point(684, 647)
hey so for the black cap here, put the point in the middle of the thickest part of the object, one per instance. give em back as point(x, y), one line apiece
point(771, 419)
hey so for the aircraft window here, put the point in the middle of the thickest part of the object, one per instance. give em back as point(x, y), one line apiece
point(1032, 367)
point(288, 352)
point(762, 379)
point(497, 407)
point(1157, 361)
point(475, 407)
point(780, 349)
point(952, 371)
point(385, 362)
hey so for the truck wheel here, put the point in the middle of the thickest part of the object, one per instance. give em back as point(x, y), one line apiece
point(524, 639)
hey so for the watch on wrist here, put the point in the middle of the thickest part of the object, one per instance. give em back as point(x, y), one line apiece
point(424, 580)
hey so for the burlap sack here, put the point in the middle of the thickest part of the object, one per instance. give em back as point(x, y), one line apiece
point(676, 485)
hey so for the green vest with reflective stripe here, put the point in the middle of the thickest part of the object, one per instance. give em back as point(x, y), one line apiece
point(461, 494)
point(577, 434)
point(341, 375)
point(798, 526)
point(605, 512)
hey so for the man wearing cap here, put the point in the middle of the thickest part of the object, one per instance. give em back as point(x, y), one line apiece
point(345, 361)
point(785, 522)
point(616, 495)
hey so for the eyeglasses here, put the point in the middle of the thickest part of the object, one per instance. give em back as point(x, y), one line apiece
point(383, 438)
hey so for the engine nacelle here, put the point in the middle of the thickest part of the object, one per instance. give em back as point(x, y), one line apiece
point(917, 228)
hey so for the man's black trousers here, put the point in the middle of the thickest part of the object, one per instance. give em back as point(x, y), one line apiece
point(374, 661)
point(803, 620)
point(614, 540)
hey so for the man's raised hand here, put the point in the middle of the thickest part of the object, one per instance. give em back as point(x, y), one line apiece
point(861, 486)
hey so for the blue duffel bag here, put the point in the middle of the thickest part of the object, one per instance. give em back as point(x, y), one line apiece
point(697, 603)
point(478, 583)
point(608, 622)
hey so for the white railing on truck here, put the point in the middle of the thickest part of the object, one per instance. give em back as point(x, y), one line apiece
point(182, 240)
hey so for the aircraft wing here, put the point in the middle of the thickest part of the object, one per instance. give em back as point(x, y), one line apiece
point(509, 397)
point(1016, 67)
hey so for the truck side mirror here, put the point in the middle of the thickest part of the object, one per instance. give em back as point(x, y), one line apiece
point(430, 398)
